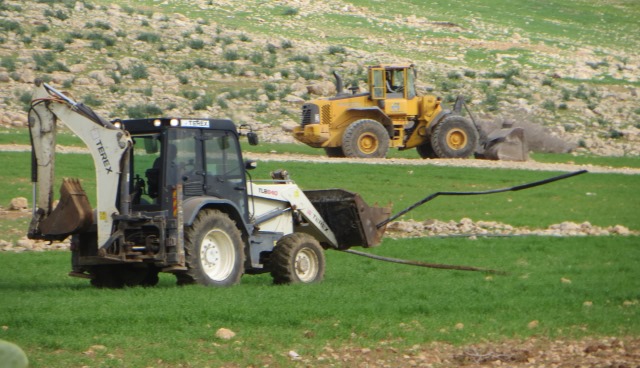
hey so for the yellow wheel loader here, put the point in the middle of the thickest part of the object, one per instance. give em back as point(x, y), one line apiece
point(390, 114)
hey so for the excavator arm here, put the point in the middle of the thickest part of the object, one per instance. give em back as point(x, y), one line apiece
point(108, 146)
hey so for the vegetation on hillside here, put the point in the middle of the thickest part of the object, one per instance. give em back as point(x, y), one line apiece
point(571, 66)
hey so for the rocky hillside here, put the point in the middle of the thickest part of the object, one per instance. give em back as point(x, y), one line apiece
point(255, 62)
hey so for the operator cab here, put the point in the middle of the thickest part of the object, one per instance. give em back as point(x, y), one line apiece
point(392, 81)
point(202, 156)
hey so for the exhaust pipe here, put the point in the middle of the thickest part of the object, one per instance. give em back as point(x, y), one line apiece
point(339, 86)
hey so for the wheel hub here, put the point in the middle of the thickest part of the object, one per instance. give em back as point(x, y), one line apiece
point(306, 265)
point(368, 143)
point(217, 255)
point(456, 139)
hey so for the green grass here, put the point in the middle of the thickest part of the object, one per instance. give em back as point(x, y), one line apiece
point(64, 137)
point(625, 161)
point(602, 199)
point(362, 303)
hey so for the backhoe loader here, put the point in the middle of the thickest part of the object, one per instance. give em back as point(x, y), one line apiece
point(173, 196)
point(390, 114)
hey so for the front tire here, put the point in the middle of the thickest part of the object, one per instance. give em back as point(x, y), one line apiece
point(214, 251)
point(454, 137)
point(365, 139)
point(297, 258)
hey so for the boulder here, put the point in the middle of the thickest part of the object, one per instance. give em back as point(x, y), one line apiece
point(18, 203)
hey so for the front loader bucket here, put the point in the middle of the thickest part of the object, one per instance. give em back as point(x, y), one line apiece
point(353, 222)
point(72, 215)
point(506, 144)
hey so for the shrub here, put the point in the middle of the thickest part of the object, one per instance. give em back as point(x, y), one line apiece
point(454, 75)
point(139, 71)
point(491, 101)
point(42, 28)
point(272, 49)
point(196, 44)
point(289, 10)
point(301, 58)
point(231, 55)
point(183, 79)
point(143, 111)
point(226, 40)
point(244, 38)
point(92, 101)
point(203, 102)
point(103, 25)
point(549, 105)
point(262, 107)
point(286, 44)
point(57, 14)
point(8, 63)
point(615, 134)
point(25, 99)
point(10, 26)
point(256, 57)
point(43, 60)
point(337, 50)
point(223, 103)
point(190, 95)
point(469, 74)
point(148, 37)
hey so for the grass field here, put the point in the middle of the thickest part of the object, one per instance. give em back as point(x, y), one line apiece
point(567, 287)
point(572, 287)
point(602, 199)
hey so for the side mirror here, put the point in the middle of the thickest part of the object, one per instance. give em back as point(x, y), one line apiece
point(252, 137)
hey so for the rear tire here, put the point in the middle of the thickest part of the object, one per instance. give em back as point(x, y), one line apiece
point(334, 151)
point(454, 137)
point(121, 275)
point(214, 251)
point(297, 258)
point(365, 139)
point(425, 150)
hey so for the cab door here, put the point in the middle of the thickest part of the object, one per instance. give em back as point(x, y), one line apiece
point(224, 169)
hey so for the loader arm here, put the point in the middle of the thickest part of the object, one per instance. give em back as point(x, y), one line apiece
point(107, 145)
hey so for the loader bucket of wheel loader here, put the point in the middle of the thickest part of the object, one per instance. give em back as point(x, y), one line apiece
point(506, 144)
point(353, 222)
point(72, 215)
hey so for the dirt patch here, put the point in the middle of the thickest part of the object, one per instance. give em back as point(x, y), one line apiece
point(533, 352)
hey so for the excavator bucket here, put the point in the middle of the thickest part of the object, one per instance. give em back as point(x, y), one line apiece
point(353, 222)
point(72, 215)
point(506, 144)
